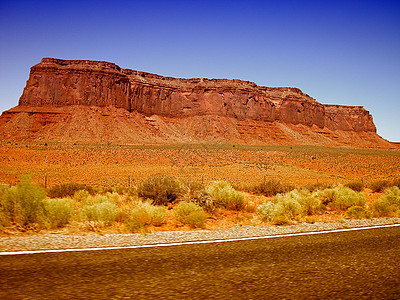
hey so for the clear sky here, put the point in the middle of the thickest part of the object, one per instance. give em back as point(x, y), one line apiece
point(338, 52)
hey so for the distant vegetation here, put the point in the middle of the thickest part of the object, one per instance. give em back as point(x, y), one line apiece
point(161, 200)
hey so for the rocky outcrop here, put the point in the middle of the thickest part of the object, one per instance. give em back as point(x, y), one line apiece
point(56, 82)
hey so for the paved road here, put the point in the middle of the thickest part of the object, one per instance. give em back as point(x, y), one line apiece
point(346, 265)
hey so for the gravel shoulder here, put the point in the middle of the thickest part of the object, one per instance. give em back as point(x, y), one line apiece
point(94, 240)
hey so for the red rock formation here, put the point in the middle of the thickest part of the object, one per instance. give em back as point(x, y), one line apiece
point(59, 82)
point(80, 100)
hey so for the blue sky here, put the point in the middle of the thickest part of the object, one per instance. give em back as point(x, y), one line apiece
point(338, 52)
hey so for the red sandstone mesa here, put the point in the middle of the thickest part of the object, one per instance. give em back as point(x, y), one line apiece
point(149, 108)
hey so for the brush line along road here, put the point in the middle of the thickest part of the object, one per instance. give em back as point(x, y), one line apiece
point(347, 265)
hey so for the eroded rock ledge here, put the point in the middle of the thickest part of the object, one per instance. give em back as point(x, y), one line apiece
point(57, 82)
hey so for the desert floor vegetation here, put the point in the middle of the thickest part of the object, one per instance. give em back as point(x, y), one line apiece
point(171, 204)
point(124, 166)
point(138, 188)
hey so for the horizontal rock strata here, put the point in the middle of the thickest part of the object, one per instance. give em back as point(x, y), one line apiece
point(81, 100)
point(57, 82)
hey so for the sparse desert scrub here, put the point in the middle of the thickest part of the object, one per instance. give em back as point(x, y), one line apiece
point(319, 186)
point(81, 196)
point(346, 197)
point(388, 204)
point(205, 200)
point(396, 182)
point(267, 210)
point(101, 210)
point(379, 186)
point(58, 212)
point(271, 188)
point(358, 212)
point(357, 186)
point(161, 189)
point(68, 190)
point(310, 204)
point(145, 215)
point(190, 213)
point(22, 204)
point(290, 205)
point(341, 198)
point(225, 195)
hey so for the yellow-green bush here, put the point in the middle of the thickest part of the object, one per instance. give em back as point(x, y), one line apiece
point(160, 189)
point(357, 186)
point(267, 210)
point(68, 189)
point(225, 195)
point(205, 200)
point(358, 212)
point(100, 209)
point(58, 212)
point(289, 205)
point(310, 204)
point(191, 214)
point(271, 188)
point(341, 198)
point(81, 196)
point(22, 203)
point(149, 215)
point(388, 204)
point(379, 186)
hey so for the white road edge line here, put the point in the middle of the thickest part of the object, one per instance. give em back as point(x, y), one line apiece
point(197, 242)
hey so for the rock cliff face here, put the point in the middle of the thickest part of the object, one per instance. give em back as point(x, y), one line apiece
point(57, 82)
point(92, 101)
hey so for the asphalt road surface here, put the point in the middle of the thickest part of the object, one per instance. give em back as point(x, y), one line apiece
point(347, 265)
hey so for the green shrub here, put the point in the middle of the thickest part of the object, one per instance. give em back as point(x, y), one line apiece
point(346, 197)
point(191, 214)
point(104, 212)
point(3, 189)
point(196, 219)
point(389, 203)
point(81, 196)
point(206, 201)
point(379, 186)
point(8, 203)
point(281, 220)
point(133, 225)
point(382, 208)
point(149, 215)
point(396, 182)
point(68, 190)
point(192, 187)
point(287, 205)
point(392, 195)
point(310, 205)
point(267, 210)
point(290, 205)
point(160, 189)
point(98, 198)
point(341, 198)
point(225, 195)
point(284, 205)
point(357, 186)
point(23, 202)
point(58, 212)
point(4, 220)
point(313, 187)
point(357, 212)
point(327, 195)
point(271, 188)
